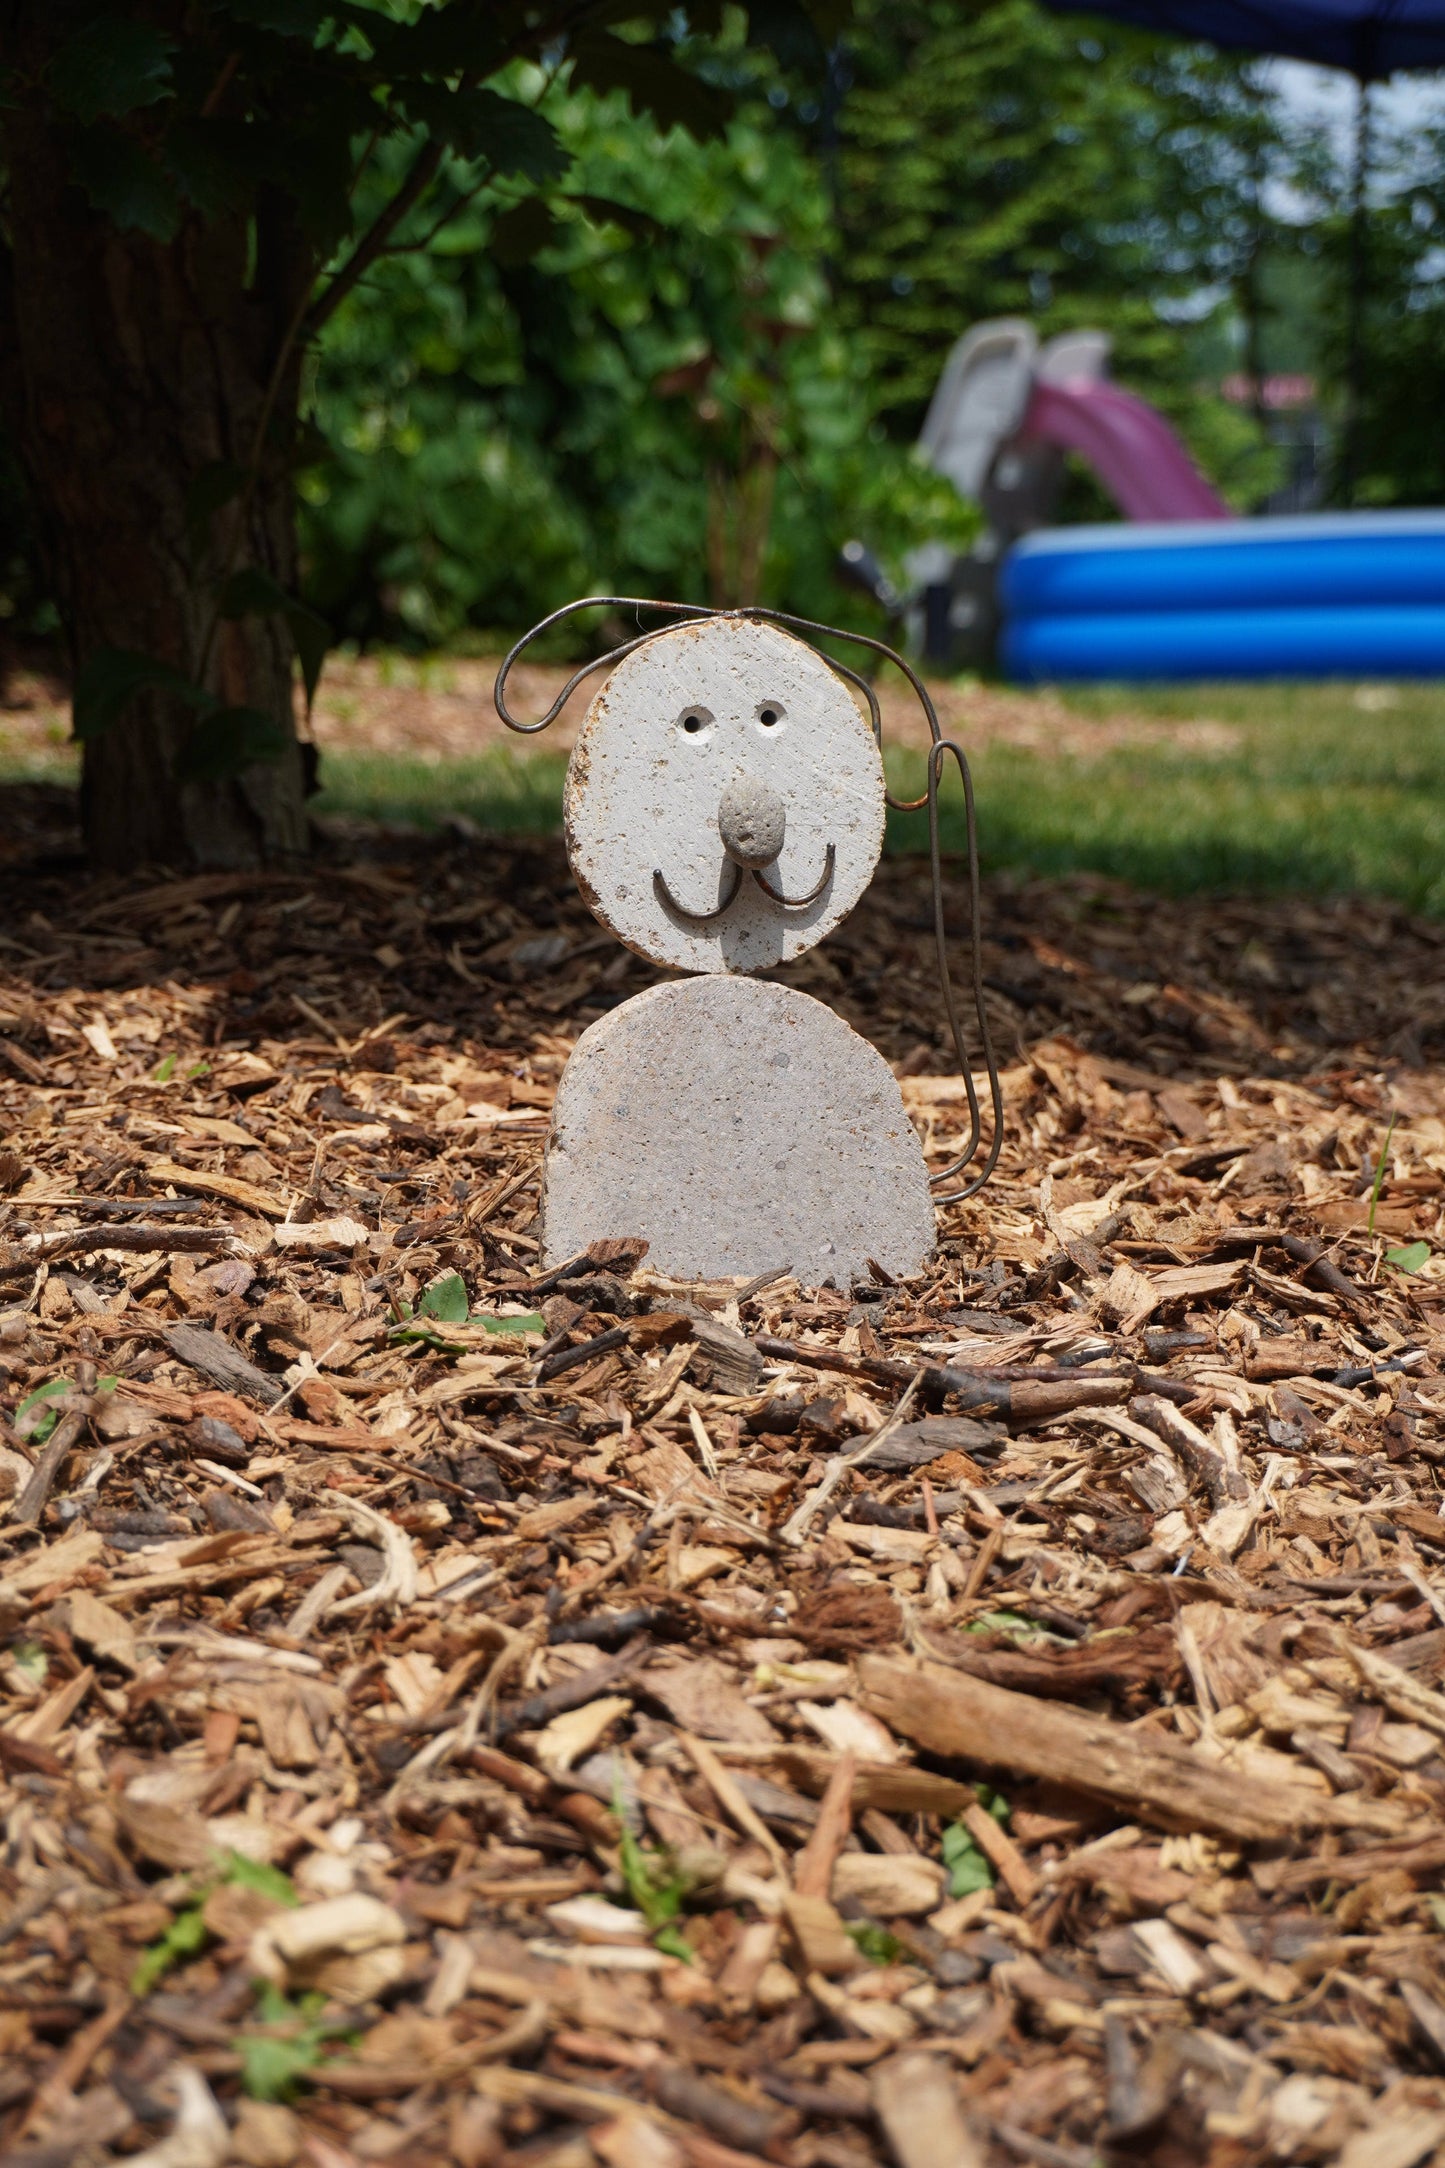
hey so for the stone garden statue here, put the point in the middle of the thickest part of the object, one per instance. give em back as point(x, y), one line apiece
point(724, 811)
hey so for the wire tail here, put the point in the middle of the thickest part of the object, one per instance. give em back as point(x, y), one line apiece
point(942, 749)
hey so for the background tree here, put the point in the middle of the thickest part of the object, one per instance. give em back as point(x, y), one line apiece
point(640, 387)
point(452, 272)
point(1001, 161)
point(1399, 446)
point(191, 194)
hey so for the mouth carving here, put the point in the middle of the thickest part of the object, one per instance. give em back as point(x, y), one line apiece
point(796, 903)
point(697, 918)
point(708, 918)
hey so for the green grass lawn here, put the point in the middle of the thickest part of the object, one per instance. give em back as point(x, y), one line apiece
point(1309, 788)
point(504, 792)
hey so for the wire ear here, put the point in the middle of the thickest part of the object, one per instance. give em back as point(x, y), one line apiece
point(875, 647)
point(557, 617)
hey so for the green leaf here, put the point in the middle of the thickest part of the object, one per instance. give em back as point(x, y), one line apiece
point(419, 1328)
point(523, 232)
point(654, 1887)
point(468, 35)
point(111, 66)
point(217, 164)
point(517, 140)
point(272, 2069)
point(480, 123)
point(120, 178)
point(873, 1942)
point(185, 1937)
point(39, 1426)
point(253, 593)
point(243, 1873)
point(654, 82)
point(110, 679)
point(607, 211)
point(164, 1069)
point(968, 1869)
point(188, 1932)
point(228, 740)
point(1411, 1258)
point(446, 1299)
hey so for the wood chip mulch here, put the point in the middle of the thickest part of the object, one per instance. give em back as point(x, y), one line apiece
point(459, 1713)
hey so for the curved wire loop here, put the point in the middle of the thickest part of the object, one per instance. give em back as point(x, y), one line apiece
point(696, 918)
point(682, 610)
point(796, 903)
point(940, 750)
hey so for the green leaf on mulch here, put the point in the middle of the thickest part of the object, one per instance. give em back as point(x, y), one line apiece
point(446, 1299)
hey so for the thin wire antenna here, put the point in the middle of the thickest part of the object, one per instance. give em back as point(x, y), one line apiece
point(938, 754)
point(940, 750)
point(680, 610)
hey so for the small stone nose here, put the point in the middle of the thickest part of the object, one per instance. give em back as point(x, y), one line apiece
point(752, 821)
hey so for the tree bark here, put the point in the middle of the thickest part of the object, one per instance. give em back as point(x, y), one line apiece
point(130, 367)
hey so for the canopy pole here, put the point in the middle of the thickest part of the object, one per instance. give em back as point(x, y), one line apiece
point(1351, 450)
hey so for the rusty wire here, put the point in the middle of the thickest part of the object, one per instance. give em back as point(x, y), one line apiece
point(940, 749)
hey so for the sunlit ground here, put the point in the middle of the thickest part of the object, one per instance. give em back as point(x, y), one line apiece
point(1312, 788)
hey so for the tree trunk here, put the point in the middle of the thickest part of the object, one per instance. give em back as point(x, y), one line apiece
point(131, 367)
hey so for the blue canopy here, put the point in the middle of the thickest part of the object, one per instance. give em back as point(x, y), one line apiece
point(1371, 38)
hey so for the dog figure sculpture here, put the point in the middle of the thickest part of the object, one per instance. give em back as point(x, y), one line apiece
point(724, 811)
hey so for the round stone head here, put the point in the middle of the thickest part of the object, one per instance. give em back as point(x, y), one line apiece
point(724, 803)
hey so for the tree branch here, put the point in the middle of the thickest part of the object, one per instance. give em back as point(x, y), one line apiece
point(372, 244)
point(453, 210)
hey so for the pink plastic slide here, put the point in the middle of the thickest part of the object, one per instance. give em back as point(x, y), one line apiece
point(1130, 446)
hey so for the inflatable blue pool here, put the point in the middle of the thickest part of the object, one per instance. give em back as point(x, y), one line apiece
point(1351, 595)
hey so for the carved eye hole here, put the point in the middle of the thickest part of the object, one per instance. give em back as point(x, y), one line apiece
point(694, 722)
point(770, 714)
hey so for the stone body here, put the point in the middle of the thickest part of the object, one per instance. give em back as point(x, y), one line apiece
point(739, 1127)
point(740, 719)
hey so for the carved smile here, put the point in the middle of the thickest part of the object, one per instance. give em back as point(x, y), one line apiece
point(707, 918)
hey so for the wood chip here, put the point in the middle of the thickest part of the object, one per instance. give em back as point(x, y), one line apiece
point(1159, 1781)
